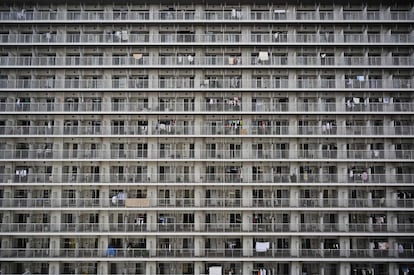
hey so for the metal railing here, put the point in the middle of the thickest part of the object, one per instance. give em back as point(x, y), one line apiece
point(212, 202)
point(204, 106)
point(205, 154)
point(262, 83)
point(214, 38)
point(182, 60)
point(170, 252)
point(204, 227)
point(219, 177)
point(173, 130)
point(223, 14)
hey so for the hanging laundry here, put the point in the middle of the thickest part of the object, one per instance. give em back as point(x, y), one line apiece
point(360, 78)
point(263, 56)
point(124, 35)
point(262, 246)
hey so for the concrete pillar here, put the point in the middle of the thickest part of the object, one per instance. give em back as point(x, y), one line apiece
point(295, 268)
point(247, 219)
point(294, 197)
point(199, 199)
point(247, 268)
point(393, 268)
point(152, 195)
point(294, 247)
point(247, 246)
point(103, 268)
point(152, 246)
point(5, 243)
point(54, 249)
point(151, 268)
point(247, 101)
point(199, 246)
point(104, 196)
point(369, 199)
point(199, 221)
point(344, 269)
point(54, 268)
point(294, 221)
point(104, 221)
point(55, 220)
point(344, 246)
point(343, 222)
point(343, 197)
point(198, 268)
point(103, 244)
point(247, 194)
point(56, 196)
point(152, 221)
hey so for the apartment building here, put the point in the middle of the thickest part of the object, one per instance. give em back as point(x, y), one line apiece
point(242, 138)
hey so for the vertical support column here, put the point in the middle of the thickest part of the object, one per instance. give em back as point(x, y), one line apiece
point(103, 246)
point(199, 196)
point(152, 221)
point(54, 268)
point(199, 246)
point(343, 222)
point(247, 194)
point(295, 268)
point(294, 221)
point(55, 221)
point(294, 246)
point(294, 197)
point(344, 268)
point(104, 221)
point(198, 268)
point(199, 221)
point(344, 246)
point(342, 197)
point(247, 246)
point(247, 98)
point(393, 268)
point(151, 268)
point(247, 221)
point(247, 268)
point(102, 268)
point(56, 196)
point(152, 246)
point(369, 199)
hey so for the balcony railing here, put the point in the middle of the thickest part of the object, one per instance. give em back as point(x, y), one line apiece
point(210, 15)
point(222, 106)
point(212, 202)
point(190, 252)
point(200, 84)
point(207, 154)
point(190, 39)
point(219, 177)
point(205, 227)
point(197, 61)
point(134, 130)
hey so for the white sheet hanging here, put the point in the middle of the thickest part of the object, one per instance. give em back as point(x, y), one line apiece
point(262, 246)
point(263, 56)
point(215, 270)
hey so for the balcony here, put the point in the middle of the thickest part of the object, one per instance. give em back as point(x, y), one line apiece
point(204, 227)
point(195, 39)
point(190, 252)
point(209, 82)
point(211, 203)
point(96, 106)
point(197, 61)
point(39, 178)
point(209, 15)
point(181, 129)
